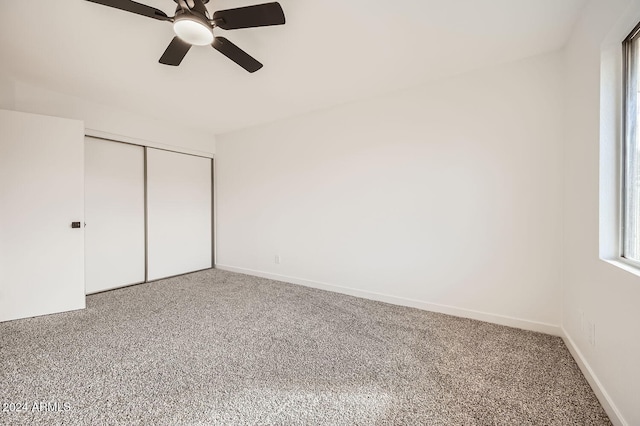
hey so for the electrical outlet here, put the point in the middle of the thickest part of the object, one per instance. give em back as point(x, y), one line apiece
point(277, 259)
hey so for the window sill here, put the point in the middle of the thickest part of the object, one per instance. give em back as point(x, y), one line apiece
point(633, 269)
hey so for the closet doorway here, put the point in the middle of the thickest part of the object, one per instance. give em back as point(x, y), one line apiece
point(148, 214)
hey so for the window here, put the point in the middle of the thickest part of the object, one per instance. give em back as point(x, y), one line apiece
point(631, 150)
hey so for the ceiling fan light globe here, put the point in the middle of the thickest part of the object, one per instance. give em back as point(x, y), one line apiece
point(193, 32)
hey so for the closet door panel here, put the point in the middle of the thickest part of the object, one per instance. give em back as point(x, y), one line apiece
point(114, 211)
point(179, 230)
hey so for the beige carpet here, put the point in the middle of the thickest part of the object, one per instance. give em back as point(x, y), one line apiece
point(216, 347)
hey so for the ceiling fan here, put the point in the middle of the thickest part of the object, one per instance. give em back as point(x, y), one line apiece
point(193, 26)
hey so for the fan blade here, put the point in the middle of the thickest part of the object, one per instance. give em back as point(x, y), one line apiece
point(260, 15)
point(236, 54)
point(133, 7)
point(175, 52)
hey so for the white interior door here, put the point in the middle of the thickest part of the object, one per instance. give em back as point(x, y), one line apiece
point(114, 213)
point(41, 194)
point(179, 191)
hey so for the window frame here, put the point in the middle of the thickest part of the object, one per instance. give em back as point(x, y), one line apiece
point(629, 130)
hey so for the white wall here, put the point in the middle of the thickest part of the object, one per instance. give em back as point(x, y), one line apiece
point(6, 92)
point(605, 294)
point(20, 96)
point(445, 197)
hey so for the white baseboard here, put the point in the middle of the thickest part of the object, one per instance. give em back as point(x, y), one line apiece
point(395, 300)
point(607, 403)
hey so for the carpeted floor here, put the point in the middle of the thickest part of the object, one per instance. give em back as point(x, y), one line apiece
point(216, 347)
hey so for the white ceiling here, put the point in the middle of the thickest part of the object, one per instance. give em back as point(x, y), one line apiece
point(328, 53)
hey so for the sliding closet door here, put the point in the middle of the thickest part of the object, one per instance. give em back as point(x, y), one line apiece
point(114, 212)
point(178, 213)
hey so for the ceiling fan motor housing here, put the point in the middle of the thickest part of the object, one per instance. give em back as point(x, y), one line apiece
point(195, 7)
